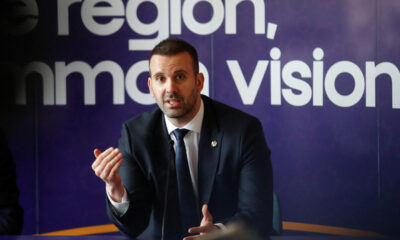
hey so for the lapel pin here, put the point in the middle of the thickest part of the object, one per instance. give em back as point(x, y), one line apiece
point(214, 143)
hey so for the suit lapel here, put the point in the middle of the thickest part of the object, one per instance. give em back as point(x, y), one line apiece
point(160, 148)
point(159, 153)
point(209, 152)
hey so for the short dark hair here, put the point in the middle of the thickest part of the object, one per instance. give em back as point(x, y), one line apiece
point(173, 46)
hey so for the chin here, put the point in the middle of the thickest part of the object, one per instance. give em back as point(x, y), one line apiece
point(174, 115)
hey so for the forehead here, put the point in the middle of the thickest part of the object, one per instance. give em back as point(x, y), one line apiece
point(167, 64)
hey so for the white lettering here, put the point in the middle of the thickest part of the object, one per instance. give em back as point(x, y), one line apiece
point(249, 92)
point(305, 90)
point(168, 18)
point(21, 75)
point(160, 24)
point(330, 79)
point(89, 11)
point(63, 15)
point(203, 28)
point(372, 72)
point(25, 10)
point(318, 75)
point(275, 54)
point(89, 77)
point(131, 83)
point(176, 17)
point(298, 92)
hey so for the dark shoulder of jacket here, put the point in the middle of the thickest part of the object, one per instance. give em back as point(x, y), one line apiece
point(144, 123)
point(228, 115)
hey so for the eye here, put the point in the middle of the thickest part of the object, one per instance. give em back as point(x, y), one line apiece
point(180, 77)
point(159, 78)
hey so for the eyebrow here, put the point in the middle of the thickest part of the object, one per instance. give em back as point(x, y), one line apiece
point(175, 72)
point(180, 71)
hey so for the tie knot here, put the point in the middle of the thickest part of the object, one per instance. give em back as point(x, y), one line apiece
point(180, 133)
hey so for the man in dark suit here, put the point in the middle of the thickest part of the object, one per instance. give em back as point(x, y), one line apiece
point(11, 213)
point(226, 161)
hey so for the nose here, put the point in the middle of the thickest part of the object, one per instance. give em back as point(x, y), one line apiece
point(170, 85)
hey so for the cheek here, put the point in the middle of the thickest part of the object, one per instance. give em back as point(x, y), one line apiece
point(158, 93)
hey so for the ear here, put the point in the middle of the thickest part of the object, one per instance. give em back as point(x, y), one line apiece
point(199, 82)
point(149, 85)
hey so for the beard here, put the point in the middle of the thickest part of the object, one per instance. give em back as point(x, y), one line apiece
point(186, 108)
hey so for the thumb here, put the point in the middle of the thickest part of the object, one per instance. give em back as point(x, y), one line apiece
point(206, 214)
point(96, 152)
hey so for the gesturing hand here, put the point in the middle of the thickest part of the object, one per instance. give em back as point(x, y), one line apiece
point(206, 224)
point(106, 167)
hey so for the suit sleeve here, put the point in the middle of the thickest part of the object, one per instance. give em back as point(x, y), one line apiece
point(140, 195)
point(255, 180)
point(11, 213)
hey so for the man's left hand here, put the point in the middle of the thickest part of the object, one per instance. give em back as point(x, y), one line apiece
point(206, 224)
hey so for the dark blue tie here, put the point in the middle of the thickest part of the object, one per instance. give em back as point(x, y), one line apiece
point(188, 206)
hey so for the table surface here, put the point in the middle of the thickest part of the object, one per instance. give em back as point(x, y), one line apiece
point(118, 237)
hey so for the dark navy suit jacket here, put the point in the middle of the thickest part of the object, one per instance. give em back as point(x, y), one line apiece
point(11, 213)
point(234, 177)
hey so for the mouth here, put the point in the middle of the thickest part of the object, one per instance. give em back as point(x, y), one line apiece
point(173, 102)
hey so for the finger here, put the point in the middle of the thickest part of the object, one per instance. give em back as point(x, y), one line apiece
point(96, 152)
point(100, 157)
point(191, 237)
point(103, 159)
point(109, 164)
point(107, 157)
point(200, 229)
point(116, 166)
point(112, 167)
point(204, 210)
point(206, 214)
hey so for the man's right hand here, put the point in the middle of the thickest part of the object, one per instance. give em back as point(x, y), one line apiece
point(106, 167)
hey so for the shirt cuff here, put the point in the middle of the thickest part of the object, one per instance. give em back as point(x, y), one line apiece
point(120, 207)
point(220, 226)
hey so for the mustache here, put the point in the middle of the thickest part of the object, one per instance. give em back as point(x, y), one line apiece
point(172, 95)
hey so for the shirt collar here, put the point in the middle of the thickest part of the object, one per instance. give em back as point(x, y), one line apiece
point(194, 125)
